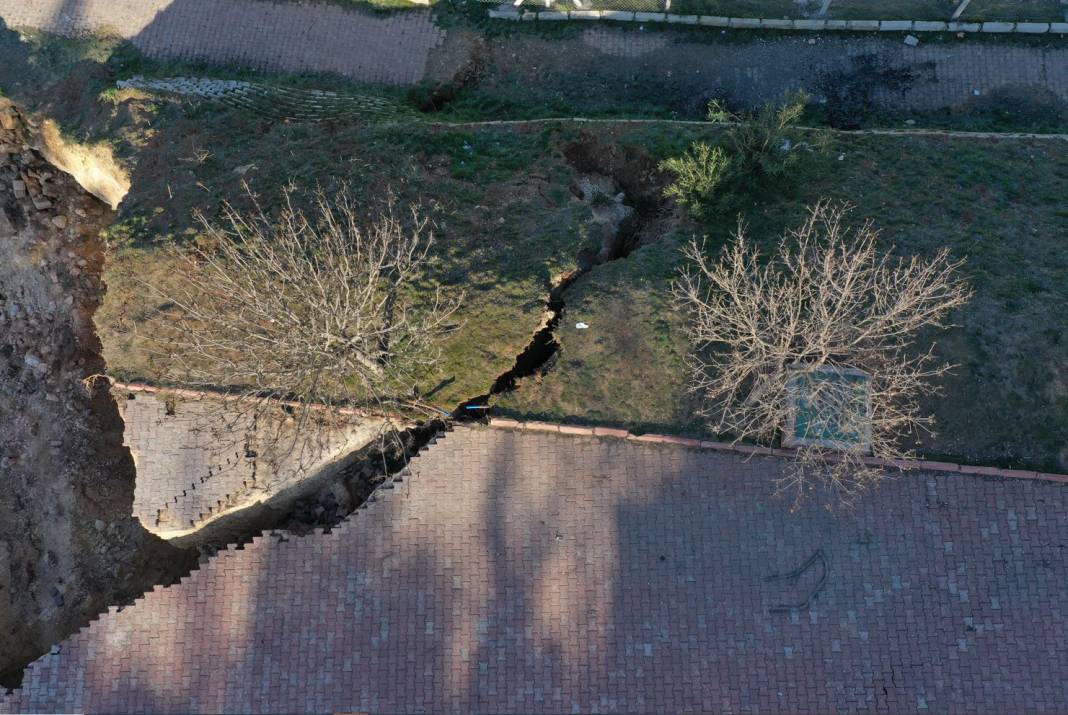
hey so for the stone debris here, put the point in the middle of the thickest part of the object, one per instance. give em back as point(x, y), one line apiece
point(912, 40)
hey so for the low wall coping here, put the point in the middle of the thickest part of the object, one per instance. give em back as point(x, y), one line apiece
point(759, 451)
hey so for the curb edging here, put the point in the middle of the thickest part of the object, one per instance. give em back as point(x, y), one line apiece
point(229, 397)
point(502, 423)
point(767, 23)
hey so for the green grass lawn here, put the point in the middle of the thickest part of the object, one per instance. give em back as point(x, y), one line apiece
point(1019, 10)
point(1001, 205)
point(741, 8)
point(893, 10)
point(507, 226)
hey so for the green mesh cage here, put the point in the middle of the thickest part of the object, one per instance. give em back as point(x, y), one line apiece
point(829, 406)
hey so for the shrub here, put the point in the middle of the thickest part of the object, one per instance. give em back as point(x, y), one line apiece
point(759, 145)
point(699, 174)
point(757, 152)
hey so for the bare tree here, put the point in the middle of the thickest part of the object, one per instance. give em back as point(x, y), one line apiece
point(328, 308)
point(818, 344)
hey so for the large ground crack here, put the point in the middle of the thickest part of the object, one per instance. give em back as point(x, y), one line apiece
point(615, 182)
point(622, 186)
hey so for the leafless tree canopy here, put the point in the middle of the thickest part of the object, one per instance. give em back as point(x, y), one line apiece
point(820, 338)
point(319, 308)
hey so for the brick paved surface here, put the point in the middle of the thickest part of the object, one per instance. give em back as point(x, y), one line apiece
point(282, 36)
point(546, 573)
point(682, 73)
point(195, 460)
point(188, 461)
point(603, 61)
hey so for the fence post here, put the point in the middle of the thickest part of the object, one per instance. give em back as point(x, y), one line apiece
point(960, 9)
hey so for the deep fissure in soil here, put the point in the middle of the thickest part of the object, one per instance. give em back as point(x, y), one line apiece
point(634, 173)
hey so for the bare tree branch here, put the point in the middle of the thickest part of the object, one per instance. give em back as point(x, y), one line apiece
point(321, 308)
point(828, 305)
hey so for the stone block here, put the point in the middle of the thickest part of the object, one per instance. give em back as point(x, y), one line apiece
point(1061, 27)
point(772, 24)
point(680, 441)
point(895, 25)
point(938, 466)
point(928, 26)
point(998, 26)
point(645, 438)
point(1049, 477)
point(963, 26)
point(981, 471)
point(714, 21)
point(1019, 474)
point(585, 14)
point(837, 24)
point(540, 427)
point(611, 432)
point(862, 25)
point(504, 14)
point(552, 15)
point(576, 430)
point(682, 19)
point(745, 22)
point(810, 24)
point(650, 16)
point(1033, 28)
point(617, 15)
point(504, 423)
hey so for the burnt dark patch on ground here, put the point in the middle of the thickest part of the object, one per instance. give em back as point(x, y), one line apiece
point(851, 94)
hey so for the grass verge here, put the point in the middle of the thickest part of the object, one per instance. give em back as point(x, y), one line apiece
point(998, 204)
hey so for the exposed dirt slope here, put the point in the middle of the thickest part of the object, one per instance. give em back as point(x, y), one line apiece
point(68, 545)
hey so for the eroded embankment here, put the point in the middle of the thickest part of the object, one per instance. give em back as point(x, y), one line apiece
point(68, 544)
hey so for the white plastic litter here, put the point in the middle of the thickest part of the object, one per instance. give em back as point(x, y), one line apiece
point(581, 326)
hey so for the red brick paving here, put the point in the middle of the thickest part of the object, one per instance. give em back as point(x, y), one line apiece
point(274, 36)
point(519, 572)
